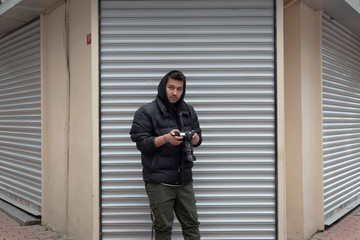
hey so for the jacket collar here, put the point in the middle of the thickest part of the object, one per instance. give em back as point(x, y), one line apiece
point(182, 108)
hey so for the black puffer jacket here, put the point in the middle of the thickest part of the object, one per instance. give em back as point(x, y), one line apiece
point(165, 164)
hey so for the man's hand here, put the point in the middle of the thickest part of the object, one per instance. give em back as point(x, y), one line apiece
point(195, 139)
point(169, 138)
point(172, 138)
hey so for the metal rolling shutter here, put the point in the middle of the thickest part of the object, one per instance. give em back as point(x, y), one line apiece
point(20, 118)
point(341, 119)
point(226, 49)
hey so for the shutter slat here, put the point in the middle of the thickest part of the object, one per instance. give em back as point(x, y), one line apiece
point(226, 50)
point(341, 120)
point(20, 118)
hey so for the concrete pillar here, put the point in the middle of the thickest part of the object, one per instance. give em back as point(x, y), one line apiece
point(303, 120)
point(70, 119)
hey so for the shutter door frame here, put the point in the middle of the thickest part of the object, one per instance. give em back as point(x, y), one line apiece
point(20, 118)
point(246, 189)
point(341, 119)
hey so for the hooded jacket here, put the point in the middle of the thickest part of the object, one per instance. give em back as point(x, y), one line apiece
point(165, 164)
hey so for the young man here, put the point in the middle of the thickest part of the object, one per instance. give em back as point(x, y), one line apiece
point(166, 163)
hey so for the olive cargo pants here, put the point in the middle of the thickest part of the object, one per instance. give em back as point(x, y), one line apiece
point(164, 201)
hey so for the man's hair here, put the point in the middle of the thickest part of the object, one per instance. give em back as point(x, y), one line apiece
point(177, 75)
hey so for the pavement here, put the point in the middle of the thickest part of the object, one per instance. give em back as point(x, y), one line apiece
point(17, 225)
point(346, 228)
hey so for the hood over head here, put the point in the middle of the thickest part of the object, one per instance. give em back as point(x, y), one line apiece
point(176, 75)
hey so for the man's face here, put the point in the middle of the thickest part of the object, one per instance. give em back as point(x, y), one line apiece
point(174, 90)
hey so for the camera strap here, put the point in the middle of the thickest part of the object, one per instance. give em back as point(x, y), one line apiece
point(185, 112)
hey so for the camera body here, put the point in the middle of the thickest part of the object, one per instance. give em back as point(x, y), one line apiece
point(187, 146)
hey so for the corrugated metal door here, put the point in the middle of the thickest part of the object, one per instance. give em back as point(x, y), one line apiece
point(341, 119)
point(226, 49)
point(20, 118)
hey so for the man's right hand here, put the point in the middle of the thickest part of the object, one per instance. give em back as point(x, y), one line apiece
point(172, 138)
point(169, 138)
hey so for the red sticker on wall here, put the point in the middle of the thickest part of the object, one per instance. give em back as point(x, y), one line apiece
point(88, 39)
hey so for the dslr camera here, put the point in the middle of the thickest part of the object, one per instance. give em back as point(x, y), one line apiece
point(187, 146)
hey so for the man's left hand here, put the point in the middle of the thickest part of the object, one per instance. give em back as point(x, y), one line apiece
point(195, 139)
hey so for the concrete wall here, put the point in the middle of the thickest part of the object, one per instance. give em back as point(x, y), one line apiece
point(312, 120)
point(55, 108)
point(70, 119)
point(280, 122)
point(303, 120)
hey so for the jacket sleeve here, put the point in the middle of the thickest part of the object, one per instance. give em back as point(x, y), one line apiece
point(142, 132)
point(196, 125)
